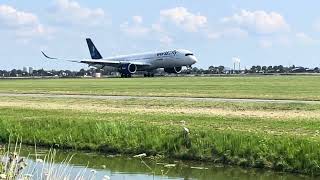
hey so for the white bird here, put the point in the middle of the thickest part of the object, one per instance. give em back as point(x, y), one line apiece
point(186, 130)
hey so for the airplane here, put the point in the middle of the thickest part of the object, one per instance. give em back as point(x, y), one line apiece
point(172, 61)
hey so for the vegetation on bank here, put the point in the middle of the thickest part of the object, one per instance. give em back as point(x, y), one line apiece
point(271, 87)
point(283, 144)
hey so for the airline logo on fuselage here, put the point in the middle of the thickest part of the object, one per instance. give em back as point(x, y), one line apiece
point(167, 53)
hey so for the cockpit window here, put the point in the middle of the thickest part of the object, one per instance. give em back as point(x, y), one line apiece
point(189, 54)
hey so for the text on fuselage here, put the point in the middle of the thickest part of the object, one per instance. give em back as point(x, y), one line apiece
point(167, 53)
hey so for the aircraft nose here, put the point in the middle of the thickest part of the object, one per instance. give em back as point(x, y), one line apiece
point(194, 59)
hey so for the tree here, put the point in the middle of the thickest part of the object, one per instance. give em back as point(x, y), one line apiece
point(13, 73)
point(82, 72)
point(19, 72)
point(221, 69)
point(274, 69)
point(264, 69)
point(270, 69)
point(195, 70)
point(258, 68)
point(292, 67)
point(280, 69)
point(253, 69)
point(41, 72)
point(211, 69)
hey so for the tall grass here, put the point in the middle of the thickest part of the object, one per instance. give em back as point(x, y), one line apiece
point(133, 135)
point(13, 166)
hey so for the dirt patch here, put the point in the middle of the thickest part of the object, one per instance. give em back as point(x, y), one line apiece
point(98, 108)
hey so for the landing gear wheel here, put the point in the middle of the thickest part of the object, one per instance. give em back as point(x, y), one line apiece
point(125, 75)
point(148, 74)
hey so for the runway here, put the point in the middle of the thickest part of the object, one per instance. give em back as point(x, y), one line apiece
point(106, 97)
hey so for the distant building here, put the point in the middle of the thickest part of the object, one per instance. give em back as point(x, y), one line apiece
point(30, 70)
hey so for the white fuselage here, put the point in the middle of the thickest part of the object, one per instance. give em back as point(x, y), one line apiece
point(163, 59)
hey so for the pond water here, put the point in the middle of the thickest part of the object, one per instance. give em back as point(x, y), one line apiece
point(100, 166)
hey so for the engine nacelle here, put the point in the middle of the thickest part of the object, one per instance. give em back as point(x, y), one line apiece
point(175, 70)
point(128, 69)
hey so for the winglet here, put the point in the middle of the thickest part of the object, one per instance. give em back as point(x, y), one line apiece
point(47, 56)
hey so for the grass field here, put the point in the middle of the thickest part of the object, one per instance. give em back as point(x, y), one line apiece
point(264, 87)
point(265, 135)
point(281, 136)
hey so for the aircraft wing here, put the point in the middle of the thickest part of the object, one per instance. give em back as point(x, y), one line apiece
point(70, 60)
point(113, 62)
point(104, 62)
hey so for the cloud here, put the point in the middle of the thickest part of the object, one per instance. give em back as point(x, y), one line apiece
point(214, 35)
point(157, 27)
point(233, 33)
point(137, 19)
point(71, 12)
point(183, 18)
point(260, 22)
point(24, 24)
point(304, 38)
point(166, 40)
point(316, 25)
point(179, 16)
point(135, 28)
point(264, 43)
point(14, 18)
point(279, 40)
point(159, 32)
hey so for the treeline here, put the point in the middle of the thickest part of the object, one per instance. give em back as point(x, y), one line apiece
point(42, 72)
point(253, 70)
point(211, 70)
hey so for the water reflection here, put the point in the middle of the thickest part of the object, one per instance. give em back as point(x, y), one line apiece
point(126, 168)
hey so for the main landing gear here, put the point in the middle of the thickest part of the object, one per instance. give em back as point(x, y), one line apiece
point(130, 75)
point(126, 75)
point(148, 74)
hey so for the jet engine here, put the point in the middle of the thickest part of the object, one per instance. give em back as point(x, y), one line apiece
point(175, 70)
point(128, 68)
point(97, 66)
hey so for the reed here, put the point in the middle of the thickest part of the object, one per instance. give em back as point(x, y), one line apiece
point(14, 166)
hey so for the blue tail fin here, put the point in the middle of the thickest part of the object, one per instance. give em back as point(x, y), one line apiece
point(93, 50)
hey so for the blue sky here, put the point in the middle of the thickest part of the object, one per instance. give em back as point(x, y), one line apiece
point(266, 32)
